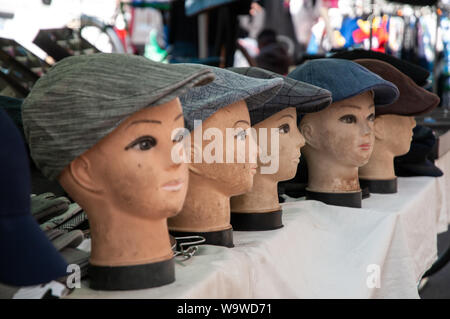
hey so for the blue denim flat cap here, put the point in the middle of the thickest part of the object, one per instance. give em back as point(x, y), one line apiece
point(345, 79)
point(28, 257)
point(229, 87)
point(306, 98)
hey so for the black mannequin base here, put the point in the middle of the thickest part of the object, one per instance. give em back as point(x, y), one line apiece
point(132, 277)
point(218, 238)
point(365, 192)
point(386, 186)
point(257, 221)
point(353, 199)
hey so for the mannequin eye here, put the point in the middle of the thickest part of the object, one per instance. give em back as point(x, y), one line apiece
point(284, 129)
point(144, 143)
point(348, 119)
point(178, 138)
point(241, 135)
point(371, 117)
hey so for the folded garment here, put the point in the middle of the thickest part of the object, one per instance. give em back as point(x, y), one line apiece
point(78, 257)
point(47, 205)
point(71, 211)
point(74, 222)
point(53, 233)
point(71, 240)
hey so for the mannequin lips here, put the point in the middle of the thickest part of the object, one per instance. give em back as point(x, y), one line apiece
point(296, 158)
point(253, 168)
point(173, 186)
point(365, 146)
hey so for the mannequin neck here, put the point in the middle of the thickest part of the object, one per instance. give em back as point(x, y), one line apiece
point(121, 239)
point(380, 165)
point(261, 199)
point(206, 208)
point(118, 237)
point(327, 175)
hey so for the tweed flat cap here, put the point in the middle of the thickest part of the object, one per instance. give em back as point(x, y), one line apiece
point(413, 99)
point(228, 87)
point(305, 97)
point(83, 98)
point(345, 79)
point(418, 74)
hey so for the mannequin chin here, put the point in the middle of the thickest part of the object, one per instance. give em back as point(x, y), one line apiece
point(264, 195)
point(393, 135)
point(207, 205)
point(128, 185)
point(339, 139)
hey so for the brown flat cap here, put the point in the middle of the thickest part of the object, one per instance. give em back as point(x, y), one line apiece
point(413, 99)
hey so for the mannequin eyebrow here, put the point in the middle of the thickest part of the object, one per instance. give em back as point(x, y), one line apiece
point(144, 121)
point(286, 115)
point(178, 116)
point(241, 121)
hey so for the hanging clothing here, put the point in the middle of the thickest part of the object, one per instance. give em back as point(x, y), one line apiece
point(305, 14)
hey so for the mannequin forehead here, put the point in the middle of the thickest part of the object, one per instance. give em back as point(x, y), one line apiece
point(273, 121)
point(156, 118)
point(233, 115)
point(356, 104)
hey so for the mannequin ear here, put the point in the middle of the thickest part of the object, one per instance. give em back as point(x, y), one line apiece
point(195, 153)
point(378, 128)
point(307, 131)
point(81, 171)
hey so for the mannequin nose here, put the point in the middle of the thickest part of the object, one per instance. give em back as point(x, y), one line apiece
point(169, 161)
point(365, 128)
point(301, 140)
point(413, 122)
point(254, 149)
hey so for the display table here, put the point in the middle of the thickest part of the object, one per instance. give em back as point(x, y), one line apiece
point(322, 251)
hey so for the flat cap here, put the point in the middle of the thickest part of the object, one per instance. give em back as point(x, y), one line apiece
point(413, 99)
point(229, 87)
point(345, 79)
point(418, 74)
point(306, 98)
point(83, 98)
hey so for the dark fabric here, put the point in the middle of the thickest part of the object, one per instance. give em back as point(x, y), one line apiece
point(278, 18)
point(13, 107)
point(418, 74)
point(274, 57)
point(27, 256)
point(416, 161)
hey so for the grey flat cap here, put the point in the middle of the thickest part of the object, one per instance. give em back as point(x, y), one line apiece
point(306, 98)
point(228, 87)
point(83, 98)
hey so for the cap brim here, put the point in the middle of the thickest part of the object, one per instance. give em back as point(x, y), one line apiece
point(28, 257)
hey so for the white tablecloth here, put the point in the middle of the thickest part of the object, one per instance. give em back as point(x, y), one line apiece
point(322, 251)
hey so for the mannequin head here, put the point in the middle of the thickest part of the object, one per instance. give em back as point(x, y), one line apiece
point(393, 135)
point(343, 131)
point(128, 185)
point(290, 142)
point(229, 178)
point(131, 168)
point(340, 139)
point(264, 195)
point(394, 132)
